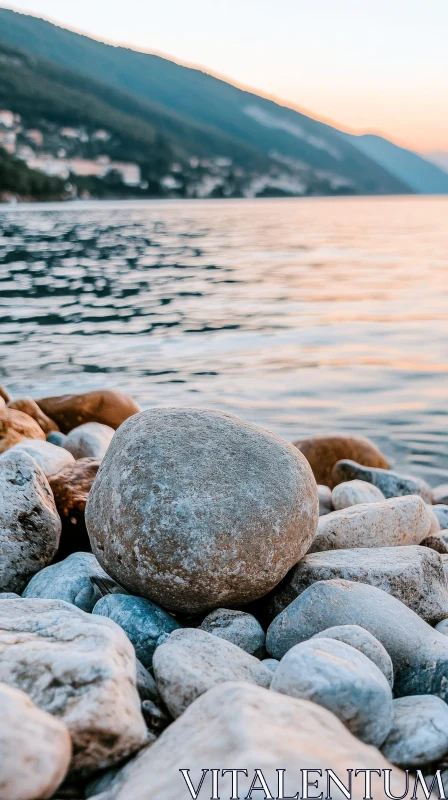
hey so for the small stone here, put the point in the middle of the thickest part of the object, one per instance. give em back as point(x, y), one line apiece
point(343, 680)
point(4, 394)
point(238, 627)
point(435, 524)
point(71, 489)
point(391, 484)
point(419, 732)
point(414, 575)
point(196, 509)
point(418, 652)
point(353, 493)
point(2, 404)
point(323, 452)
point(325, 501)
point(90, 440)
point(104, 406)
point(79, 667)
point(146, 685)
point(9, 596)
point(142, 621)
point(71, 580)
point(35, 748)
point(438, 542)
point(30, 407)
point(57, 438)
point(441, 512)
point(241, 725)
point(440, 494)
point(156, 719)
point(15, 426)
point(362, 640)
point(192, 661)
point(30, 527)
point(442, 626)
point(271, 663)
point(50, 458)
point(391, 523)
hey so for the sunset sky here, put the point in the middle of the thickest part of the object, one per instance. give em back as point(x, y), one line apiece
point(366, 65)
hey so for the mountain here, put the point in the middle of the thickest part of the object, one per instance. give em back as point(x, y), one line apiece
point(192, 115)
point(421, 175)
point(440, 159)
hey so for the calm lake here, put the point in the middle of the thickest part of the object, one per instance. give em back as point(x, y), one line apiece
point(304, 316)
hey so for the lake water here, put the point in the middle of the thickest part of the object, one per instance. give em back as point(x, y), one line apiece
point(301, 315)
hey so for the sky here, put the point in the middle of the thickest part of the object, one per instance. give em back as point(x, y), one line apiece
point(366, 65)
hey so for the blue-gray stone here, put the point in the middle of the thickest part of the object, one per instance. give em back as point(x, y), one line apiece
point(9, 596)
point(72, 580)
point(238, 627)
point(142, 621)
point(419, 733)
point(362, 640)
point(271, 663)
point(419, 653)
point(57, 438)
point(441, 512)
point(391, 484)
point(343, 680)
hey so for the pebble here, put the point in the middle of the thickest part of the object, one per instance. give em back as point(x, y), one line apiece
point(238, 627)
point(391, 484)
point(30, 407)
point(414, 575)
point(352, 493)
point(325, 501)
point(79, 667)
point(142, 621)
point(418, 652)
point(362, 640)
point(71, 487)
point(438, 542)
point(441, 512)
point(192, 661)
point(195, 509)
point(323, 452)
point(419, 732)
point(242, 725)
point(57, 438)
point(71, 580)
point(90, 440)
point(390, 523)
point(30, 527)
point(334, 675)
point(104, 406)
point(271, 663)
point(146, 685)
point(15, 426)
point(35, 748)
point(440, 494)
point(50, 458)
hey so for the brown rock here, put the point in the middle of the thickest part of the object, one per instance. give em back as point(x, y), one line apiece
point(15, 426)
point(323, 452)
point(30, 407)
point(4, 394)
point(2, 404)
point(71, 489)
point(70, 410)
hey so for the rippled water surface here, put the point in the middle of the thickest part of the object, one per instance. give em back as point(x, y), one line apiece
point(301, 315)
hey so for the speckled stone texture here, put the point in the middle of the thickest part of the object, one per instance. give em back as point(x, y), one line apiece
point(238, 627)
point(419, 733)
point(30, 527)
point(196, 509)
point(15, 426)
point(391, 484)
point(90, 440)
point(80, 668)
point(238, 724)
point(50, 458)
point(35, 748)
point(352, 493)
point(72, 580)
point(414, 575)
point(105, 406)
point(323, 452)
point(71, 489)
point(362, 640)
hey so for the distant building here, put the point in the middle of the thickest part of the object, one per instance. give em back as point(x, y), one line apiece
point(36, 136)
point(8, 141)
point(170, 182)
point(130, 173)
point(54, 167)
point(70, 133)
point(25, 153)
point(6, 118)
point(84, 167)
point(101, 136)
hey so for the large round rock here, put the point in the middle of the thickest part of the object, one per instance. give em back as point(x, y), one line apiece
point(196, 509)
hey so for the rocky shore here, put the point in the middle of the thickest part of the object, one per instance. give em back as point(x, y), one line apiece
point(184, 595)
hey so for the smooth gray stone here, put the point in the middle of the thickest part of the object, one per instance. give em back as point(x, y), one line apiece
point(71, 580)
point(336, 676)
point(353, 493)
point(441, 512)
point(90, 440)
point(271, 663)
point(325, 500)
point(146, 685)
point(57, 438)
point(418, 652)
point(414, 575)
point(142, 621)
point(362, 640)
point(419, 733)
point(238, 627)
point(391, 484)
point(440, 494)
point(9, 596)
